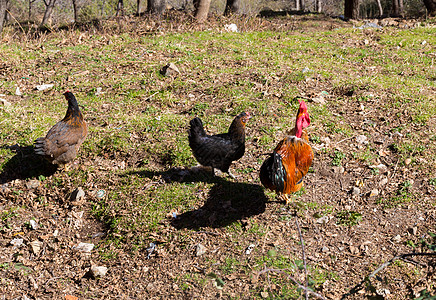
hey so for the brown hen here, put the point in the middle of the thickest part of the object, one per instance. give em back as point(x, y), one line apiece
point(63, 140)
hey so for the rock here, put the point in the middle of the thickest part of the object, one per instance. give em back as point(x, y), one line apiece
point(200, 250)
point(407, 161)
point(384, 181)
point(249, 249)
point(355, 191)
point(325, 249)
point(97, 271)
point(32, 184)
point(44, 87)
point(36, 246)
point(319, 100)
point(338, 170)
point(374, 193)
point(170, 70)
point(264, 294)
point(231, 27)
point(323, 220)
point(84, 247)
point(17, 242)
point(397, 238)
point(413, 230)
point(77, 195)
point(354, 250)
point(33, 224)
point(361, 139)
point(5, 103)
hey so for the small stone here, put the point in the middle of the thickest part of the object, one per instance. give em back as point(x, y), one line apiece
point(354, 250)
point(325, 249)
point(17, 242)
point(33, 224)
point(338, 170)
point(323, 220)
point(200, 250)
point(84, 247)
point(407, 161)
point(231, 27)
point(413, 230)
point(361, 139)
point(36, 246)
point(397, 238)
point(32, 184)
point(356, 191)
point(264, 294)
point(56, 233)
point(374, 193)
point(77, 195)
point(319, 100)
point(18, 92)
point(44, 87)
point(383, 181)
point(382, 168)
point(347, 207)
point(249, 249)
point(5, 103)
point(97, 271)
point(170, 70)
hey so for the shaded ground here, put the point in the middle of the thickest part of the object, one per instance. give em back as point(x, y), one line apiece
point(353, 217)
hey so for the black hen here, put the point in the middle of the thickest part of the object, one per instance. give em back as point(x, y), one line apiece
point(220, 150)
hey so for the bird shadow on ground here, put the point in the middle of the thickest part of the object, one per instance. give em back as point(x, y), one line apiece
point(25, 164)
point(227, 201)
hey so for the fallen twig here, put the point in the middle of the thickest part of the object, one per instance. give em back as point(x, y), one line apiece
point(401, 256)
point(304, 257)
point(299, 285)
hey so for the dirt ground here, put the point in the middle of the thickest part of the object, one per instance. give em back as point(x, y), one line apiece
point(49, 265)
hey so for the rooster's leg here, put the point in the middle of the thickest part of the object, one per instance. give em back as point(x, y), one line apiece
point(287, 199)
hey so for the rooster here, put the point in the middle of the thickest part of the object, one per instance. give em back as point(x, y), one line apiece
point(63, 140)
point(284, 170)
point(220, 150)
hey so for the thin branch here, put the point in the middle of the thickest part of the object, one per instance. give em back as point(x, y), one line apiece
point(346, 139)
point(304, 256)
point(401, 256)
point(299, 285)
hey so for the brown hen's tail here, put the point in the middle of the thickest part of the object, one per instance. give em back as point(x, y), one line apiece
point(39, 146)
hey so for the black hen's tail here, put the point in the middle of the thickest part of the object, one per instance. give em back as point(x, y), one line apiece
point(196, 130)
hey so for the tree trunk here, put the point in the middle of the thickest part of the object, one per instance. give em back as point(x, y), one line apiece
point(351, 10)
point(120, 8)
point(75, 10)
point(139, 8)
point(232, 7)
point(3, 7)
point(318, 6)
point(431, 7)
point(302, 5)
point(202, 10)
point(49, 5)
point(395, 9)
point(156, 6)
point(380, 8)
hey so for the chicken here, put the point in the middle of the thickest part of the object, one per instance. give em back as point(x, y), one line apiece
point(284, 170)
point(220, 150)
point(63, 140)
